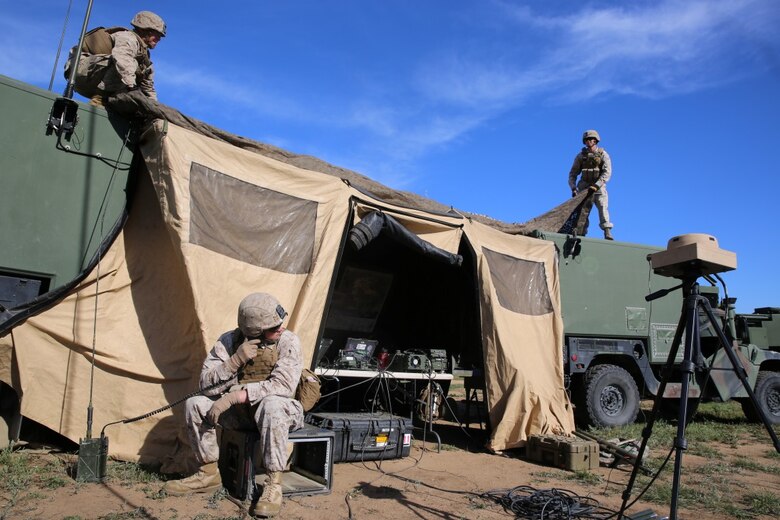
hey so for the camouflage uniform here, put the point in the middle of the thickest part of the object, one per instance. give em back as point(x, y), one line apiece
point(596, 170)
point(127, 67)
point(273, 410)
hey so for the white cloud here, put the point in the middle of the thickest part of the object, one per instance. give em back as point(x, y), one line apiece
point(517, 55)
point(217, 92)
point(646, 49)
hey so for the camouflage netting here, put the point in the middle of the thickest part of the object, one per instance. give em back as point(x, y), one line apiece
point(569, 217)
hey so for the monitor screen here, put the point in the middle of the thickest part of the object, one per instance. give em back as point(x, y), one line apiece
point(363, 347)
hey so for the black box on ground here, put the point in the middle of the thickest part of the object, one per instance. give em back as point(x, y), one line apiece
point(310, 470)
point(366, 436)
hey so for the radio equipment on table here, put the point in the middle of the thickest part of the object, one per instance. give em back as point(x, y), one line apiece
point(363, 354)
point(357, 354)
point(415, 360)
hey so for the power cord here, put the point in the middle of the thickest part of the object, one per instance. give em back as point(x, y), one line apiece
point(548, 504)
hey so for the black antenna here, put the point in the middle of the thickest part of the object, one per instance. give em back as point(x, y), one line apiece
point(77, 56)
point(64, 113)
point(59, 47)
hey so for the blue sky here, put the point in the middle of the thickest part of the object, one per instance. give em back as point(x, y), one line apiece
point(481, 104)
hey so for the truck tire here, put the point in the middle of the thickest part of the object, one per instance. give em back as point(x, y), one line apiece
point(611, 396)
point(767, 392)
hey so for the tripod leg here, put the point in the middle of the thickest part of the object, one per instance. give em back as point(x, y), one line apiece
point(739, 370)
point(687, 366)
point(648, 429)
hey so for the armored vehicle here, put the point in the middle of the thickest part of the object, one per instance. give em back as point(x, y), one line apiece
point(616, 343)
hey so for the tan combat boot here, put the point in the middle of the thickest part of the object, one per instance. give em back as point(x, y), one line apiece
point(270, 502)
point(207, 479)
point(608, 234)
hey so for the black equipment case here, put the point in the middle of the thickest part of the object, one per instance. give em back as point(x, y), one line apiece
point(366, 436)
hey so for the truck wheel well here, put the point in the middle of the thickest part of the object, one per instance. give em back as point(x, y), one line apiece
point(772, 365)
point(629, 365)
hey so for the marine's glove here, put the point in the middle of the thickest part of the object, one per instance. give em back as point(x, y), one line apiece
point(573, 193)
point(224, 403)
point(246, 351)
point(593, 188)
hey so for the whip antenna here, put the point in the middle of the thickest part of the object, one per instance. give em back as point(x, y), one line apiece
point(93, 453)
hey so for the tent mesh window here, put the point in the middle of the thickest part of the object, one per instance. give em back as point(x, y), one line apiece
point(250, 223)
point(521, 285)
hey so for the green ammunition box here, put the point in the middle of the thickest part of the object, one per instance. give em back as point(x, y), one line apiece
point(570, 453)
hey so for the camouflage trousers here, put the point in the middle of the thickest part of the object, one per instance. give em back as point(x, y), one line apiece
point(274, 417)
point(601, 199)
point(97, 75)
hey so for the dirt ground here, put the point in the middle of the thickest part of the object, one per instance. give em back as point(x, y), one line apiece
point(426, 485)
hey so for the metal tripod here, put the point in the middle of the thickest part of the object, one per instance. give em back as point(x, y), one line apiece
point(693, 305)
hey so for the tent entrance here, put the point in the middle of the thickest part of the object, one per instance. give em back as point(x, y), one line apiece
point(407, 304)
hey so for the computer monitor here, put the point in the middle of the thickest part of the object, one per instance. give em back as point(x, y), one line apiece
point(360, 347)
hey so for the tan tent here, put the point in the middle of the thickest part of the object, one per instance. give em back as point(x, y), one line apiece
point(209, 223)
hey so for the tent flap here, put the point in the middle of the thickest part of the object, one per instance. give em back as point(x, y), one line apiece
point(522, 332)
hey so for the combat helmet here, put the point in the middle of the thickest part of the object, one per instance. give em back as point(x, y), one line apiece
point(148, 20)
point(258, 312)
point(590, 133)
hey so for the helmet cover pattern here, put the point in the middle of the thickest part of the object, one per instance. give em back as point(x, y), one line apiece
point(258, 312)
point(590, 133)
point(149, 20)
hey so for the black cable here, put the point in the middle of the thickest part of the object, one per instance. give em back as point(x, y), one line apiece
point(548, 504)
point(361, 382)
point(166, 407)
point(649, 484)
point(110, 162)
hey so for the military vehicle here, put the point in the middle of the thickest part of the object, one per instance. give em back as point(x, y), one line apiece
point(616, 342)
point(64, 199)
point(761, 328)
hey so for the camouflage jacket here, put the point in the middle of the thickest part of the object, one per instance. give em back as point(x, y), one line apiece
point(284, 377)
point(131, 59)
point(596, 168)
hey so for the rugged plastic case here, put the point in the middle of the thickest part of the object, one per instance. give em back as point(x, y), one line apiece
point(570, 453)
point(366, 436)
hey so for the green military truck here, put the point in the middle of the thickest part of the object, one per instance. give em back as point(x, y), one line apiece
point(64, 198)
point(616, 343)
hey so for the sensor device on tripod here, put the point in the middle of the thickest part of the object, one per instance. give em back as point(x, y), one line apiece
point(689, 257)
point(692, 254)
